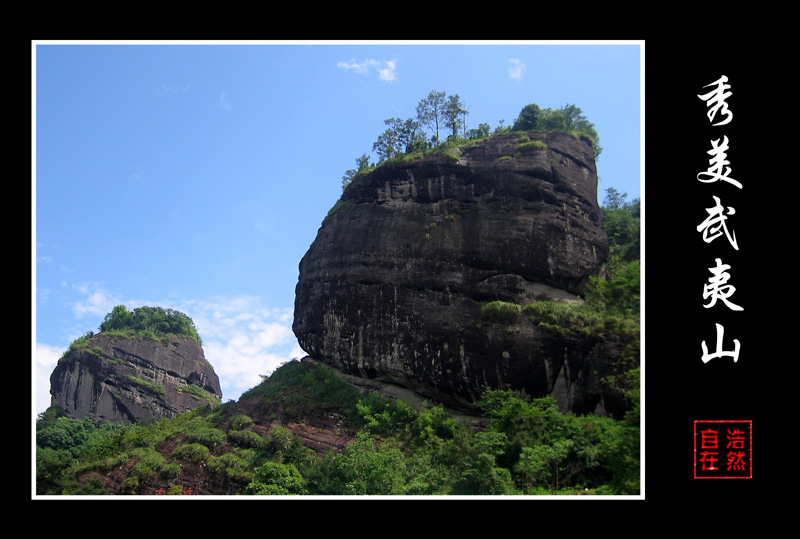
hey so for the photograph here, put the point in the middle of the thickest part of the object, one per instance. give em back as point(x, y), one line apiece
point(352, 270)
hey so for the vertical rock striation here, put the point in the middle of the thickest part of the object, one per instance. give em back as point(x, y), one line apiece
point(130, 380)
point(391, 289)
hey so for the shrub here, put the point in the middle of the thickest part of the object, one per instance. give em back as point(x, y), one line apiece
point(207, 436)
point(152, 459)
point(560, 317)
point(247, 438)
point(81, 343)
point(500, 312)
point(272, 478)
point(620, 293)
point(201, 394)
point(170, 471)
point(174, 490)
point(129, 485)
point(65, 433)
point(236, 466)
point(51, 464)
point(532, 146)
point(94, 486)
point(365, 468)
point(137, 435)
point(148, 464)
point(193, 452)
point(279, 440)
point(240, 421)
point(452, 148)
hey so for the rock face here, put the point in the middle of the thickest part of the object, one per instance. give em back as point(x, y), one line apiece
point(392, 287)
point(128, 380)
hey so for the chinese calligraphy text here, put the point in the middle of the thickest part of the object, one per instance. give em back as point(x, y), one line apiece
point(723, 450)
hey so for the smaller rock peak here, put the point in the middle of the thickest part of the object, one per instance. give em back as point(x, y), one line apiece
point(142, 366)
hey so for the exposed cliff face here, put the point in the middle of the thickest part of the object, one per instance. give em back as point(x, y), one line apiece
point(392, 286)
point(128, 380)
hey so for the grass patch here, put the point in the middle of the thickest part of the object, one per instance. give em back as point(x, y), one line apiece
point(570, 318)
point(193, 452)
point(500, 312)
point(201, 394)
point(247, 439)
point(560, 317)
point(341, 206)
point(532, 146)
point(206, 435)
point(302, 389)
point(144, 384)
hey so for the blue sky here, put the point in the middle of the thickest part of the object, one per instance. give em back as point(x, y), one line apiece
point(195, 176)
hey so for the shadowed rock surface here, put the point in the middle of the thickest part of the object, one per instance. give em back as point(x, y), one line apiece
point(132, 380)
point(391, 289)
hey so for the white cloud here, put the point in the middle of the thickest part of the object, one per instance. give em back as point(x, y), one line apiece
point(242, 338)
point(387, 73)
point(46, 357)
point(98, 302)
point(224, 101)
point(163, 89)
point(517, 69)
point(362, 67)
point(385, 69)
point(135, 175)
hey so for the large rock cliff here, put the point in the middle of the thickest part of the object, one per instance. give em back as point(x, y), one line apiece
point(132, 380)
point(392, 287)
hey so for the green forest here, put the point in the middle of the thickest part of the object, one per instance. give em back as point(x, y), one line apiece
point(440, 128)
point(525, 446)
point(155, 322)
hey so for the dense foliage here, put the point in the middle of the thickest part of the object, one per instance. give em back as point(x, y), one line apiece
point(567, 119)
point(620, 292)
point(528, 447)
point(155, 321)
point(439, 112)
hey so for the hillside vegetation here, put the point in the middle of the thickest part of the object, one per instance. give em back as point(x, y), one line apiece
point(153, 322)
point(405, 140)
point(525, 446)
point(528, 447)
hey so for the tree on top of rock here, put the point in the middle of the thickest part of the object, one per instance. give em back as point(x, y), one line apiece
point(401, 136)
point(152, 319)
point(430, 111)
point(567, 119)
point(454, 113)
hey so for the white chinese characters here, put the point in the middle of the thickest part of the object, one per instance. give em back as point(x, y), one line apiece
point(718, 290)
